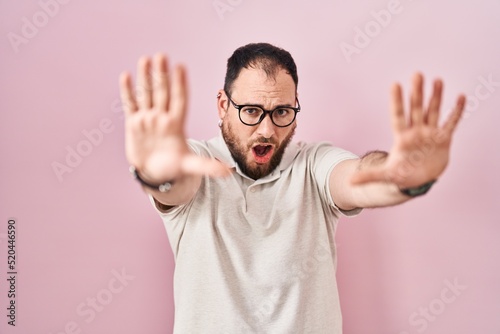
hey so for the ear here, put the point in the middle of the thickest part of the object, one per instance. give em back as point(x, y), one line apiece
point(222, 103)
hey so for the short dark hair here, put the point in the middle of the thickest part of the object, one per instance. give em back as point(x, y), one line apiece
point(259, 55)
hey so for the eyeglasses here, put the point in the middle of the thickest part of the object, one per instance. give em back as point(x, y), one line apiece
point(281, 116)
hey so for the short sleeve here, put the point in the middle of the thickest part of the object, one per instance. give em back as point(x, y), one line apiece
point(324, 159)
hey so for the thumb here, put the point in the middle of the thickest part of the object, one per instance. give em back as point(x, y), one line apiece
point(196, 165)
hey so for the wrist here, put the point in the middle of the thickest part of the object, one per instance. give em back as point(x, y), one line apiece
point(162, 187)
point(418, 191)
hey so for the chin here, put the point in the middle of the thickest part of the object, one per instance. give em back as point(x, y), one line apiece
point(257, 171)
point(243, 155)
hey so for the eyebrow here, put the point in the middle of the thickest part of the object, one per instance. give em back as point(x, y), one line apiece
point(287, 105)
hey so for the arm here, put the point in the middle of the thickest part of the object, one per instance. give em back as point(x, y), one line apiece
point(348, 196)
point(420, 154)
point(155, 143)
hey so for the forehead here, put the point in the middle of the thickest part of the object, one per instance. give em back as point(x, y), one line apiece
point(256, 84)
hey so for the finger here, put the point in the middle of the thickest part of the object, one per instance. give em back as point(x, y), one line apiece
point(435, 104)
point(178, 98)
point(417, 96)
point(397, 110)
point(455, 116)
point(160, 78)
point(369, 175)
point(143, 90)
point(126, 94)
point(196, 165)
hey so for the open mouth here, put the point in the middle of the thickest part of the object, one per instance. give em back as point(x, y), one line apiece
point(261, 150)
point(262, 153)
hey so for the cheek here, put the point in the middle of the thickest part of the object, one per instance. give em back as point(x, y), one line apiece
point(241, 133)
point(283, 134)
point(245, 137)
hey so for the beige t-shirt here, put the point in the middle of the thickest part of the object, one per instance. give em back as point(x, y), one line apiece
point(258, 256)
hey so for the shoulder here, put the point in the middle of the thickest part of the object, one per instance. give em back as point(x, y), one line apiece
point(319, 150)
point(207, 148)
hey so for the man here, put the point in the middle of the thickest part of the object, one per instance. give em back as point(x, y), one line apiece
point(251, 215)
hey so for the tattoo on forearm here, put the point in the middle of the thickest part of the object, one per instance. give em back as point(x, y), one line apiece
point(373, 158)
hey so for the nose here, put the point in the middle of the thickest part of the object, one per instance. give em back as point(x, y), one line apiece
point(266, 127)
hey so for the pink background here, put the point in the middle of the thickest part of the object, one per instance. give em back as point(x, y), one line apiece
point(77, 233)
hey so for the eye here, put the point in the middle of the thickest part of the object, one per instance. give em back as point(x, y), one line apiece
point(283, 112)
point(251, 111)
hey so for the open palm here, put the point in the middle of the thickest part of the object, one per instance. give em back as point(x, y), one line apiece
point(421, 148)
point(155, 114)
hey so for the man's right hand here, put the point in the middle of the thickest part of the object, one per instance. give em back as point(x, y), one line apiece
point(155, 115)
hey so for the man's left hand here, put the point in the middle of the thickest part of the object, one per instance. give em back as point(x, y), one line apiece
point(421, 148)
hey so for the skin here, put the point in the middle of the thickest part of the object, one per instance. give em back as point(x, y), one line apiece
point(155, 142)
point(254, 87)
point(419, 154)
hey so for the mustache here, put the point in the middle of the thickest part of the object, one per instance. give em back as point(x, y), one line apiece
point(263, 140)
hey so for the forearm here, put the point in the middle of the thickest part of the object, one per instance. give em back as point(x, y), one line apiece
point(369, 195)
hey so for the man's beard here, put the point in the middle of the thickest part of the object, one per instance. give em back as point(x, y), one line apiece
point(239, 152)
